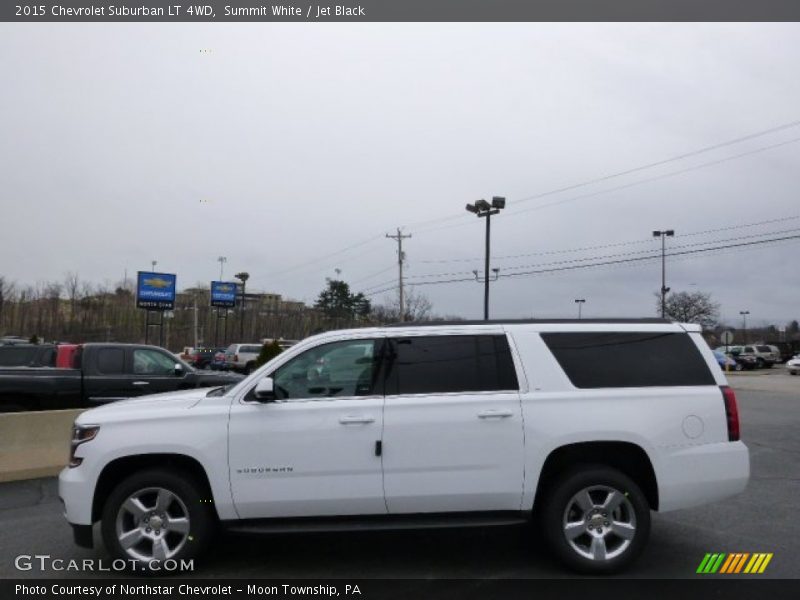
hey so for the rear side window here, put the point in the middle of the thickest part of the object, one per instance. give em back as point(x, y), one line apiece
point(110, 361)
point(621, 360)
point(451, 364)
point(764, 348)
point(15, 356)
point(250, 349)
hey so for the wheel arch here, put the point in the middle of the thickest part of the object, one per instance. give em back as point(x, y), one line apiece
point(121, 468)
point(628, 457)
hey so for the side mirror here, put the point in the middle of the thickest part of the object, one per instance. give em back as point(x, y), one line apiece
point(265, 390)
point(178, 370)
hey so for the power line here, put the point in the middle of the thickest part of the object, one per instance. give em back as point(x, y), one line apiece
point(630, 185)
point(618, 244)
point(585, 183)
point(635, 259)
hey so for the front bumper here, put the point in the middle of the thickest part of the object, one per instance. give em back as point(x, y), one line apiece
point(76, 491)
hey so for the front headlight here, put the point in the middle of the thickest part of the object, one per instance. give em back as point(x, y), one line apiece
point(80, 435)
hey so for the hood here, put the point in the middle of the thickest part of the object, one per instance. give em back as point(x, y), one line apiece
point(146, 406)
point(213, 378)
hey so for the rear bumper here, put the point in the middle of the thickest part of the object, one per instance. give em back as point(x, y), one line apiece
point(702, 474)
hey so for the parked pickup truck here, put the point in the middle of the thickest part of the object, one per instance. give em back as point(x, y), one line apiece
point(102, 373)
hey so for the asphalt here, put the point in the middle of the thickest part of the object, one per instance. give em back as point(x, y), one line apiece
point(762, 519)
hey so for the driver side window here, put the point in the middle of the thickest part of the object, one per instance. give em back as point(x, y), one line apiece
point(337, 369)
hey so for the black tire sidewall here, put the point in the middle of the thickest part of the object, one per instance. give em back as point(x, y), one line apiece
point(555, 502)
point(200, 516)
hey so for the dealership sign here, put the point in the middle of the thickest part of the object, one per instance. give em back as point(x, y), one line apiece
point(223, 294)
point(155, 291)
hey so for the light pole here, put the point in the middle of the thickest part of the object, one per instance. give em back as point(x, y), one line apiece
point(664, 289)
point(579, 302)
point(243, 277)
point(744, 314)
point(154, 263)
point(222, 260)
point(483, 209)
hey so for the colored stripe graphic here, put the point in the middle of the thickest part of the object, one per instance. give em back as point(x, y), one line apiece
point(721, 562)
point(714, 563)
point(729, 563)
point(741, 562)
point(765, 563)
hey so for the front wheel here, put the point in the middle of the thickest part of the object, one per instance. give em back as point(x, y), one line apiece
point(596, 519)
point(154, 516)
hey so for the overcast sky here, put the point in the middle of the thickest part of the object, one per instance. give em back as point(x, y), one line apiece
point(280, 145)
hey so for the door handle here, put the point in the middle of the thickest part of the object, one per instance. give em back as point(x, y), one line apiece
point(495, 414)
point(353, 420)
point(141, 383)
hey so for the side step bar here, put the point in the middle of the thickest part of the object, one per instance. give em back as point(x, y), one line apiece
point(377, 522)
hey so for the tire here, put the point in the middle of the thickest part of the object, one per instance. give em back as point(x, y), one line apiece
point(573, 504)
point(760, 363)
point(248, 368)
point(182, 531)
point(737, 367)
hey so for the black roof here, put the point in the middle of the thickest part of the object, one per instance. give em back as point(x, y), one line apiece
point(645, 321)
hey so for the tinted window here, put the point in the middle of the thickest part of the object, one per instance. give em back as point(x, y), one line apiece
point(17, 356)
point(764, 348)
point(152, 362)
point(250, 349)
point(605, 360)
point(110, 361)
point(338, 369)
point(451, 363)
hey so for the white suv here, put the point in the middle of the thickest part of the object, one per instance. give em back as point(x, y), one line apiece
point(593, 423)
point(242, 357)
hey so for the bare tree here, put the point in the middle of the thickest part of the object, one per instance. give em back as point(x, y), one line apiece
point(695, 307)
point(417, 307)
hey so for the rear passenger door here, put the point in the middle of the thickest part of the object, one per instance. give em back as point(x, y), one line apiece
point(453, 435)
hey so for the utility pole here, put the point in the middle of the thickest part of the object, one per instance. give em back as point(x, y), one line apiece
point(400, 258)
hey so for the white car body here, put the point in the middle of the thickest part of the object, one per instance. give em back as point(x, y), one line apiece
point(443, 453)
point(793, 365)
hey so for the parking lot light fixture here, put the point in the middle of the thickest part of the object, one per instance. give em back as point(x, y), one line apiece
point(482, 208)
point(221, 260)
point(580, 302)
point(664, 289)
point(744, 314)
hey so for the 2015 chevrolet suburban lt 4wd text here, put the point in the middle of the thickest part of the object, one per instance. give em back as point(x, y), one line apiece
point(584, 425)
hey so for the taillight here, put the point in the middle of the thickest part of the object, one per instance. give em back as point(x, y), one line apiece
point(731, 412)
point(235, 358)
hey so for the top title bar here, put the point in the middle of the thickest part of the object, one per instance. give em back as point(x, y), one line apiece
point(402, 10)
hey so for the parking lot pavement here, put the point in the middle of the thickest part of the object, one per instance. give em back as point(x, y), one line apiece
point(776, 379)
point(762, 519)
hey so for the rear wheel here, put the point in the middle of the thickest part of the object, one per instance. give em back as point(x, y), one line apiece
point(738, 367)
point(596, 519)
point(760, 363)
point(154, 516)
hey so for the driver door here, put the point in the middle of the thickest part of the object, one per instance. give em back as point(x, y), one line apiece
point(312, 451)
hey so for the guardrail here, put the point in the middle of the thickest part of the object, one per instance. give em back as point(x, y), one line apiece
point(34, 444)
